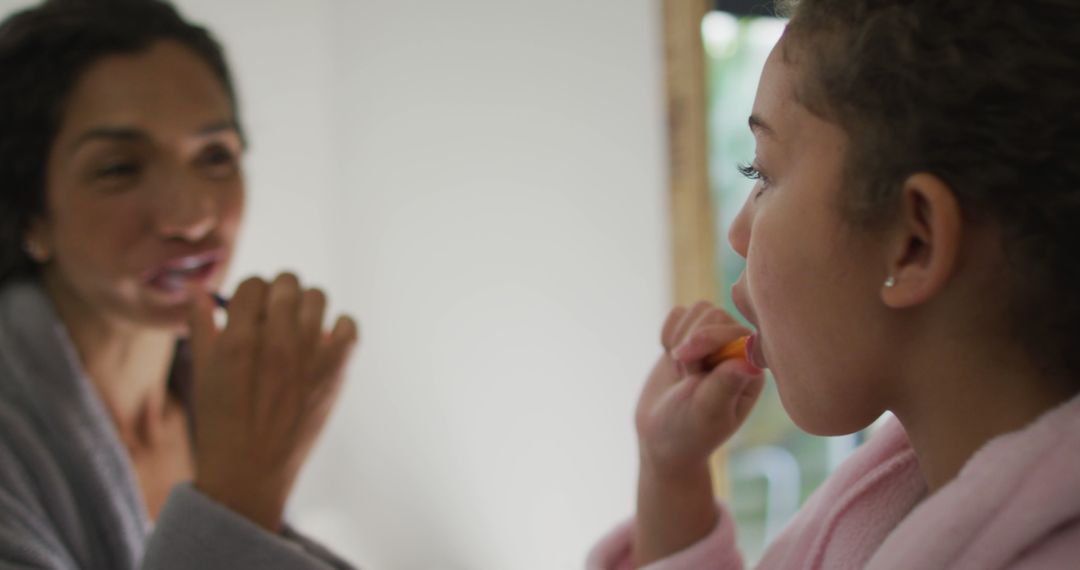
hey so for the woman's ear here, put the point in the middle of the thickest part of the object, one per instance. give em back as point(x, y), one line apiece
point(36, 243)
point(923, 250)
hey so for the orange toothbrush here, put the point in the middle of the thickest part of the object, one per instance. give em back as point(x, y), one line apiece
point(734, 349)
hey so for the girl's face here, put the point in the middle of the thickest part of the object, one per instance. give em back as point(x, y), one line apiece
point(144, 188)
point(812, 283)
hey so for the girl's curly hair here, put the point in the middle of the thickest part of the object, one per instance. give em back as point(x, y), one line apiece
point(985, 94)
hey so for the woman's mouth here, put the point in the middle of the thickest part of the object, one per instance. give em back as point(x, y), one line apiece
point(176, 275)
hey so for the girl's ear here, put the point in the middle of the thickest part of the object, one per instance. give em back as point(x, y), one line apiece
point(923, 252)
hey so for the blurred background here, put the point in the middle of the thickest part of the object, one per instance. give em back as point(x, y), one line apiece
point(484, 185)
point(481, 183)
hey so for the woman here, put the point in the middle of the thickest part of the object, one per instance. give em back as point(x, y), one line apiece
point(911, 247)
point(122, 445)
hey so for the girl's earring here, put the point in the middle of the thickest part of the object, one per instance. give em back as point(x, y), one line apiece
point(890, 282)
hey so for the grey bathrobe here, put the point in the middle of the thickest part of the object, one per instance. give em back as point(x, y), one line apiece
point(69, 498)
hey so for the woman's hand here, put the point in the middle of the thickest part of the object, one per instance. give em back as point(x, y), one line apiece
point(264, 386)
point(686, 410)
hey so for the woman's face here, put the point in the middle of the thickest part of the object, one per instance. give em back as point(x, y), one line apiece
point(812, 283)
point(144, 187)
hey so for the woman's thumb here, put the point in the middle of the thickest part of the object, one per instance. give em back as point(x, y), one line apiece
point(201, 326)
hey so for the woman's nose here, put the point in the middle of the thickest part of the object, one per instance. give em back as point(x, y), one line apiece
point(185, 211)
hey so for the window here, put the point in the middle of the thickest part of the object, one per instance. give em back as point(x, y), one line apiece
point(772, 465)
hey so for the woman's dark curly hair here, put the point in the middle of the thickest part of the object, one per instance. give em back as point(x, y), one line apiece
point(985, 94)
point(43, 53)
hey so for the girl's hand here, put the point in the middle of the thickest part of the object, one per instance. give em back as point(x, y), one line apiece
point(686, 411)
point(687, 408)
point(263, 388)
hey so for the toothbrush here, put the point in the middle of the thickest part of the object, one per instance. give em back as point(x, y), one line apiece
point(220, 301)
point(734, 349)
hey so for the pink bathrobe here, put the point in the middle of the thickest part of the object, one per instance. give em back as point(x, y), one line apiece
point(1014, 505)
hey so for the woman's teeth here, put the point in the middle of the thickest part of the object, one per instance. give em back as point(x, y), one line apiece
point(188, 264)
point(176, 278)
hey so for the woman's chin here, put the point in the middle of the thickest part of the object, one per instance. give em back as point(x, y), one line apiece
point(164, 309)
point(173, 318)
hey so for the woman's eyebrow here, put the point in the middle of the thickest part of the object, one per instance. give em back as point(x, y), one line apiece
point(218, 127)
point(133, 134)
point(226, 127)
point(109, 133)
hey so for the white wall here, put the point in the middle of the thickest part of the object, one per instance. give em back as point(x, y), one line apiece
point(480, 182)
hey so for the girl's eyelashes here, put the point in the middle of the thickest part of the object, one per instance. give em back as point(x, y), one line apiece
point(750, 171)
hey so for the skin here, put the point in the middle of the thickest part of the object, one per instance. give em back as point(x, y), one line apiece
point(843, 347)
point(145, 169)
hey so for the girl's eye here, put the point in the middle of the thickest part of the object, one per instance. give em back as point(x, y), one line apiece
point(752, 172)
point(749, 171)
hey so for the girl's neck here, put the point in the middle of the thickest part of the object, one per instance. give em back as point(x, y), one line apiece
point(956, 404)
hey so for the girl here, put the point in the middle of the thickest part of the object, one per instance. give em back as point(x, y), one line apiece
point(910, 247)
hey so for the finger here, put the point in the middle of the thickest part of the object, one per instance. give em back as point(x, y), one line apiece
point(719, 316)
point(707, 341)
point(310, 319)
point(246, 309)
point(280, 350)
point(727, 394)
point(283, 305)
point(667, 333)
point(712, 315)
point(689, 320)
point(749, 396)
point(702, 317)
point(332, 358)
point(201, 327)
point(335, 351)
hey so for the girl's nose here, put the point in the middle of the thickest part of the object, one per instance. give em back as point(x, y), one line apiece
point(739, 233)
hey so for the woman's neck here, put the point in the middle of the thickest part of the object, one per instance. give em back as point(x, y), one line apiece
point(957, 401)
point(127, 364)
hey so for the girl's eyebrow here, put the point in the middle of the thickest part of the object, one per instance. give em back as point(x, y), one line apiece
point(757, 124)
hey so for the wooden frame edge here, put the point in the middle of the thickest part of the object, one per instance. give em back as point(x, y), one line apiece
point(692, 225)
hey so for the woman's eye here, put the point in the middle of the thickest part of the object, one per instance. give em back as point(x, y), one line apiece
point(118, 170)
point(218, 160)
